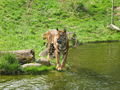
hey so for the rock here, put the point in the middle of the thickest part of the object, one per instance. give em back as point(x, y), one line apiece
point(44, 52)
point(30, 64)
point(44, 61)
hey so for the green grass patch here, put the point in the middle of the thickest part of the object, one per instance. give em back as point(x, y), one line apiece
point(37, 70)
point(9, 64)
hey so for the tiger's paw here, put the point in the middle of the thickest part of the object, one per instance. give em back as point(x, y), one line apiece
point(58, 67)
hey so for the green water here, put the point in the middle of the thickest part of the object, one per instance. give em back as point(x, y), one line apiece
point(92, 67)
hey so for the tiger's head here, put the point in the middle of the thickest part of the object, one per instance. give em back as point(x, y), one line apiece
point(62, 39)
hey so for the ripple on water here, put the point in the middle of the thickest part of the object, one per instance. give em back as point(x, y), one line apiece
point(32, 83)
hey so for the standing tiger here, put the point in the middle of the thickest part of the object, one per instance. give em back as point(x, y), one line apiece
point(58, 44)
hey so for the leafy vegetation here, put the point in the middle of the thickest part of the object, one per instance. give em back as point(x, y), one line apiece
point(22, 22)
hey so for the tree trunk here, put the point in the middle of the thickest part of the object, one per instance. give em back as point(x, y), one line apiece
point(24, 56)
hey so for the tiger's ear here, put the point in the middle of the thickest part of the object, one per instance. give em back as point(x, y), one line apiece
point(57, 29)
point(65, 30)
point(44, 36)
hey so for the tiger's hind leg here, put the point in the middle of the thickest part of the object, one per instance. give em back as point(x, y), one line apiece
point(51, 51)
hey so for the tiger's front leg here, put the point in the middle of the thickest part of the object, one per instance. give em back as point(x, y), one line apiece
point(57, 54)
point(64, 59)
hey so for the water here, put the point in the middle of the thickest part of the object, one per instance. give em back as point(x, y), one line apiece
point(93, 67)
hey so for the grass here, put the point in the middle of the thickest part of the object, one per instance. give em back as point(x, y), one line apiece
point(37, 70)
point(9, 64)
point(22, 22)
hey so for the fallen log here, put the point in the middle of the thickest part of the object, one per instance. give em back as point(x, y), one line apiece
point(113, 27)
point(24, 56)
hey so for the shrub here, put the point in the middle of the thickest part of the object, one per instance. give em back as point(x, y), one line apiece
point(9, 64)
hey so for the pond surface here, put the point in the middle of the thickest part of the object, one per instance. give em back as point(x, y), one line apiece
point(93, 67)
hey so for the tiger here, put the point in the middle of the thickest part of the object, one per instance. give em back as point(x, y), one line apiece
point(57, 44)
point(73, 41)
